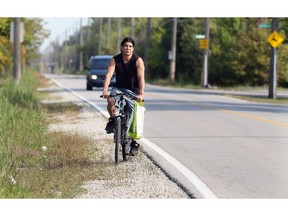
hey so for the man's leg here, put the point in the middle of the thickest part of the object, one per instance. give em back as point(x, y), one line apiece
point(111, 106)
point(111, 110)
point(130, 109)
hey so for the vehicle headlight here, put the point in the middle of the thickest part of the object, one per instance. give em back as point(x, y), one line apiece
point(94, 77)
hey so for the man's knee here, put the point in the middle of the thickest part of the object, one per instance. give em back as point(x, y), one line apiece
point(111, 102)
point(111, 105)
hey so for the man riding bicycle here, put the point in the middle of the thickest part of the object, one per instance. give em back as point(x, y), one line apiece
point(129, 69)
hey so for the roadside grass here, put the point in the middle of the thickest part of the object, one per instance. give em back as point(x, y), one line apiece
point(169, 83)
point(69, 109)
point(259, 99)
point(36, 163)
point(60, 167)
point(44, 83)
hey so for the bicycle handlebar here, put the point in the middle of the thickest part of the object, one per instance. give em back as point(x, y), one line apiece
point(118, 94)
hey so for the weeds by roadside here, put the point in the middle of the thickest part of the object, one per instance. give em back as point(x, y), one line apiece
point(36, 163)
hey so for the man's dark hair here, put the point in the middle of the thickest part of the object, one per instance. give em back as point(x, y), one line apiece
point(128, 39)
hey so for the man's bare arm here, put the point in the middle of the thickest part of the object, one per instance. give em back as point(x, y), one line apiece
point(108, 76)
point(141, 77)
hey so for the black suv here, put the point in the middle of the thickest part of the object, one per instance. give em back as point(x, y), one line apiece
point(96, 71)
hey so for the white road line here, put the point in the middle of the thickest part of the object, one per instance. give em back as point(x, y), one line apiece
point(201, 186)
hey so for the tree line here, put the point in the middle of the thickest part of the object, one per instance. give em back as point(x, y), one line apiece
point(239, 53)
point(34, 35)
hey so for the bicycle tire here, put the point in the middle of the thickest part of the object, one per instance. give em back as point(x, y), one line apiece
point(126, 149)
point(126, 144)
point(117, 139)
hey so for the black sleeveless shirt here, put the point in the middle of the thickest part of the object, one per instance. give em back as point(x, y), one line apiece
point(126, 74)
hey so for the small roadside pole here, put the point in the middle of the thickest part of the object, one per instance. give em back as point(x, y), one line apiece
point(16, 51)
point(275, 39)
point(204, 44)
point(81, 47)
point(172, 53)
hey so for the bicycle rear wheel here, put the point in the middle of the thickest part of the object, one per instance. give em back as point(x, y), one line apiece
point(117, 138)
point(126, 144)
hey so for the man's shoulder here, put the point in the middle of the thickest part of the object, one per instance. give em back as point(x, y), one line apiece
point(135, 57)
point(118, 57)
point(138, 59)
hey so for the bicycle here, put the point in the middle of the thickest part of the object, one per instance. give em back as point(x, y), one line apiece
point(120, 130)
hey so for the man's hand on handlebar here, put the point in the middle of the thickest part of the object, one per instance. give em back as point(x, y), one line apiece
point(105, 94)
point(138, 98)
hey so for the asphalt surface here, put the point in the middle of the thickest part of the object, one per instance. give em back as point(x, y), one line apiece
point(235, 148)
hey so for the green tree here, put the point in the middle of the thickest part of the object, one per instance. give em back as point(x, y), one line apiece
point(5, 47)
point(189, 55)
point(34, 35)
point(239, 52)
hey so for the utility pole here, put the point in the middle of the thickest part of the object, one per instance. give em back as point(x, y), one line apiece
point(118, 34)
point(62, 58)
point(172, 54)
point(56, 51)
point(16, 53)
point(81, 46)
point(147, 44)
point(273, 64)
point(100, 35)
point(132, 27)
point(108, 32)
point(65, 51)
point(88, 38)
point(205, 56)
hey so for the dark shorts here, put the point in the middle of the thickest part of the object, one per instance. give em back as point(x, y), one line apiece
point(129, 102)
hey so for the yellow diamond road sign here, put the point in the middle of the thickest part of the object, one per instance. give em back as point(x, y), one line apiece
point(275, 39)
point(204, 43)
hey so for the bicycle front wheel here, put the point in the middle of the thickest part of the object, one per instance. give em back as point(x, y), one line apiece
point(126, 145)
point(117, 138)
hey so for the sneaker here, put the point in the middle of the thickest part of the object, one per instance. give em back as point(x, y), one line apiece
point(110, 125)
point(134, 148)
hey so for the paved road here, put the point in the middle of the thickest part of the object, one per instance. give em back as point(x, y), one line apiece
point(238, 149)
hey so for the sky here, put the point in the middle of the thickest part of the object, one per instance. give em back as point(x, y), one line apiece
point(147, 8)
point(61, 16)
point(58, 26)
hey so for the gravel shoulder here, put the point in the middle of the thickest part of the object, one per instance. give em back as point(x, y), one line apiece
point(138, 178)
